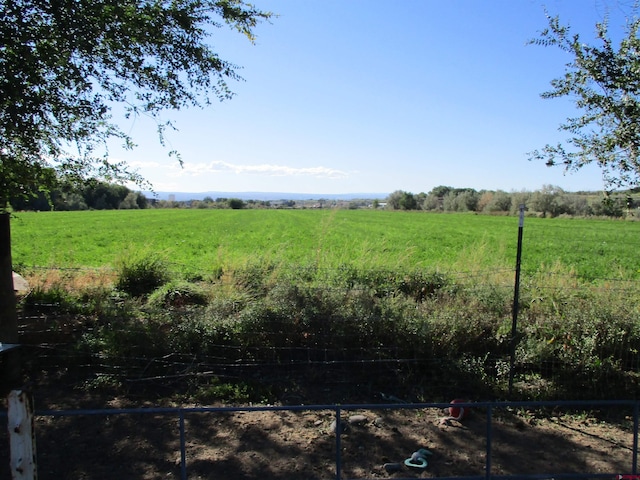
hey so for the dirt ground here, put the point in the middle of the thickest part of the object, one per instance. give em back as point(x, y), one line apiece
point(302, 444)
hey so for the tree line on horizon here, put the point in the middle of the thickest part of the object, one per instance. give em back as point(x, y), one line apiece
point(88, 195)
point(548, 201)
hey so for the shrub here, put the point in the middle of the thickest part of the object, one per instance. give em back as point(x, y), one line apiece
point(54, 298)
point(417, 285)
point(423, 329)
point(215, 390)
point(178, 294)
point(255, 278)
point(420, 285)
point(141, 275)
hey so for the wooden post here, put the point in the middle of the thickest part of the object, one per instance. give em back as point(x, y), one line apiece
point(10, 371)
point(22, 438)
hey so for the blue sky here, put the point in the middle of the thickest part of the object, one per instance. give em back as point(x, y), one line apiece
point(348, 96)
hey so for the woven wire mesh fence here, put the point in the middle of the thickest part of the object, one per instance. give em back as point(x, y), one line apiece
point(337, 441)
point(572, 340)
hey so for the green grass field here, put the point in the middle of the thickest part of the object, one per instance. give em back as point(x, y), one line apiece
point(380, 285)
point(204, 240)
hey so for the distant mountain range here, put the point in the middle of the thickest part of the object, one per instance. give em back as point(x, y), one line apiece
point(263, 196)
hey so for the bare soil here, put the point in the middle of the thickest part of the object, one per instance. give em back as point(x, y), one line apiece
point(302, 444)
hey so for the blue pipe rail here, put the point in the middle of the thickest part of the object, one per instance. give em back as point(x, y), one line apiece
point(181, 412)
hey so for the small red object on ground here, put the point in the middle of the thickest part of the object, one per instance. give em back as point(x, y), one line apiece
point(458, 412)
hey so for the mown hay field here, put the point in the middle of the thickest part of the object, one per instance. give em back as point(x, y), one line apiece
point(203, 241)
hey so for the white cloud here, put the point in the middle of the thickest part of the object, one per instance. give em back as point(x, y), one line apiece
point(194, 169)
point(143, 164)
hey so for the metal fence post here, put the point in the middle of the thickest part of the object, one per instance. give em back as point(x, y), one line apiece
point(183, 449)
point(487, 464)
point(636, 412)
point(516, 296)
point(338, 445)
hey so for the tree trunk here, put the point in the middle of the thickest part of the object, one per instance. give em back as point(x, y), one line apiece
point(10, 377)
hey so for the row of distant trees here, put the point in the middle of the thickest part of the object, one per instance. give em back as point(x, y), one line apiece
point(549, 201)
point(97, 195)
point(90, 195)
point(221, 202)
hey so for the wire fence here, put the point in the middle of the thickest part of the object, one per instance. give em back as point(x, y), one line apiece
point(577, 335)
point(282, 360)
point(329, 441)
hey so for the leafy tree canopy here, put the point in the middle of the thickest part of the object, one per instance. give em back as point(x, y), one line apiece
point(440, 191)
point(64, 63)
point(604, 82)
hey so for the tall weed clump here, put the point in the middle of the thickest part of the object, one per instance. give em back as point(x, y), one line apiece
point(416, 284)
point(587, 343)
point(415, 328)
point(62, 298)
point(255, 278)
point(140, 274)
point(178, 294)
point(53, 298)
